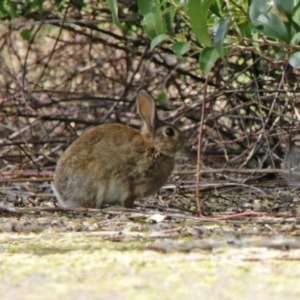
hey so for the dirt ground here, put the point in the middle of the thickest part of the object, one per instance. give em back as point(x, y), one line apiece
point(145, 253)
point(79, 266)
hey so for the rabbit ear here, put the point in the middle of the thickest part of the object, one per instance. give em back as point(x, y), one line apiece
point(147, 111)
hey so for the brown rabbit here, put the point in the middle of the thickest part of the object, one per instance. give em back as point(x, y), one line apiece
point(116, 164)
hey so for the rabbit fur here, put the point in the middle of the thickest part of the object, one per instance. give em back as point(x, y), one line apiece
point(116, 164)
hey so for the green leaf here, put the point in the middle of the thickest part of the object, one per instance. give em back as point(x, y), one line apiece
point(197, 11)
point(61, 5)
point(11, 9)
point(296, 39)
point(168, 14)
point(163, 100)
point(284, 8)
point(145, 7)
point(180, 48)
point(2, 10)
point(158, 39)
point(296, 14)
point(220, 36)
point(246, 29)
point(216, 9)
point(113, 6)
point(207, 58)
point(153, 24)
point(272, 27)
point(294, 60)
point(26, 34)
point(37, 4)
point(257, 8)
point(279, 53)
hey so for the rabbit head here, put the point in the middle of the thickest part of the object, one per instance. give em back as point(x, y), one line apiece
point(167, 138)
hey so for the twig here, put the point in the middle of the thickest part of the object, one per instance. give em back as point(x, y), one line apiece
point(198, 174)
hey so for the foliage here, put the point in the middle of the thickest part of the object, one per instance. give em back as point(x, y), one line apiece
point(231, 24)
point(207, 28)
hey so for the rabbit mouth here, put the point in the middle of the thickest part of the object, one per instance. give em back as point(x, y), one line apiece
point(185, 152)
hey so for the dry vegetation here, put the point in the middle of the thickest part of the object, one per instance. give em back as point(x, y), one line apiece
point(78, 71)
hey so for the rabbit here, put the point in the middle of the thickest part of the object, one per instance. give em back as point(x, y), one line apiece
point(116, 164)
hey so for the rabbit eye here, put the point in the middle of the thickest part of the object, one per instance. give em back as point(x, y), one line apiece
point(170, 131)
